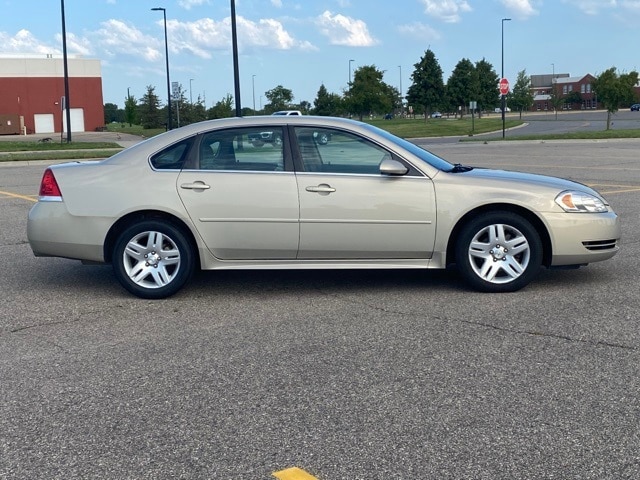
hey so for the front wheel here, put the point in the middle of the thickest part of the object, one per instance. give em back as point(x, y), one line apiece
point(498, 252)
point(153, 259)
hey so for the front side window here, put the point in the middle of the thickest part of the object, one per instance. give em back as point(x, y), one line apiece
point(246, 149)
point(334, 151)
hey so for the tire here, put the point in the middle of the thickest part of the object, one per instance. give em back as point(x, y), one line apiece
point(153, 259)
point(498, 252)
point(323, 138)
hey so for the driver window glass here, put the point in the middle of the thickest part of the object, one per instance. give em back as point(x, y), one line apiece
point(252, 149)
point(334, 151)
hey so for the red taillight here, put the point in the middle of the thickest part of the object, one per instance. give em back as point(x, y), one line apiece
point(49, 186)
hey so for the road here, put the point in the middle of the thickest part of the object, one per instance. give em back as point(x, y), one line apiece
point(346, 375)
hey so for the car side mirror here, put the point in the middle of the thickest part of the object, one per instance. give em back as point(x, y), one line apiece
point(392, 167)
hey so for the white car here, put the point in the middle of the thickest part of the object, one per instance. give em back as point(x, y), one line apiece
point(204, 196)
point(287, 112)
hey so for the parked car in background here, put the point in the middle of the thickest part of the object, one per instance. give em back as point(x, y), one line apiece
point(635, 107)
point(499, 110)
point(436, 115)
point(204, 197)
point(287, 112)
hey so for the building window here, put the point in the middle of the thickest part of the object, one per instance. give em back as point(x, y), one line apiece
point(583, 88)
point(564, 89)
point(588, 88)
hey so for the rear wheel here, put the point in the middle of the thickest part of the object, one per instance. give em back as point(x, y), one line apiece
point(499, 252)
point(153, 259)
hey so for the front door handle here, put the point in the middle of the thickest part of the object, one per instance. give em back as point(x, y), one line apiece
point(195, 186)
point(322, 188)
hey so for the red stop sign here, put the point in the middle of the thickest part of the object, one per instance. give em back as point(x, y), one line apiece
point(504, 86)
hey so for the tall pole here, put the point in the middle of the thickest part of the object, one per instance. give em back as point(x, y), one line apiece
point(503, 97)
point(67, 104)
point(253, 92)
point(166, 56)
point(401, 102)
point(350, 72)
point(190, 92)
point(236, 70)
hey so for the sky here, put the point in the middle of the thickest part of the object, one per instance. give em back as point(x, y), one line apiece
point(302, 44)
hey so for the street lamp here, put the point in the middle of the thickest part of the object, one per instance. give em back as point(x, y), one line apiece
point(253, 92)
point(166, 55)
point(66, 107)
point(190, 92)
point(350, 71)
point(401, 102)
point(503, 97)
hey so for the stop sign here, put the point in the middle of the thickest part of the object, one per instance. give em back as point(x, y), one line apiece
point(504, 86)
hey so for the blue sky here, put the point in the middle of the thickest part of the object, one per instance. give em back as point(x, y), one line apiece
point(301, 44)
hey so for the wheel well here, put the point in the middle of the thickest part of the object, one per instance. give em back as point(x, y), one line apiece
point(130, 219)
point(504, 207)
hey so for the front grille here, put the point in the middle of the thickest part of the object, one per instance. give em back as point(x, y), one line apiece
point(600, 245)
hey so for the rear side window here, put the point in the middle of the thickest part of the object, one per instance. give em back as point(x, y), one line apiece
point(172, 157)
point(246, 149)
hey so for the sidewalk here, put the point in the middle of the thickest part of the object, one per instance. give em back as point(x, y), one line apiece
point(123, 139)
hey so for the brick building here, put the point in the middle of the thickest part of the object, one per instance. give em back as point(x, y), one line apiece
point(32, 90)
point(577, 91)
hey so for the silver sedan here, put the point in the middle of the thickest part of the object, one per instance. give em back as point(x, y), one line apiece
point(208, 196)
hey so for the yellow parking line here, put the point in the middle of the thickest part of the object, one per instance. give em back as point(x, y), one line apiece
point(293, 473)
point(16, 195)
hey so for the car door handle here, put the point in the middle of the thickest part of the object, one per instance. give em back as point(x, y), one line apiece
point(195, 186)
point(322, 188)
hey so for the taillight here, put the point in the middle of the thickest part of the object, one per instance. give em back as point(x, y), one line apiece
point(49, 186)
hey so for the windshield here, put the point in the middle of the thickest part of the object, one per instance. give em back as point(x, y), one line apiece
point(419, 152)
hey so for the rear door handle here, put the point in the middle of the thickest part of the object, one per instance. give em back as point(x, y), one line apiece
point(322, 188)
point(195, 186)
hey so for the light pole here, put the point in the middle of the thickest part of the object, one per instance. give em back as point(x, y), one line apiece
point(503, 97)
point(190, 92)
point(166, 56)
point(253, 92)
point(236, 69)
point(401, 102)
point(66, 108)
point(350, 72)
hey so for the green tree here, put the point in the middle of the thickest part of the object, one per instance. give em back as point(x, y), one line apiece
point(149, 110)
point(488, 92)
point(521, 97)
point(367, 93)
point(131, 110)
point(222, 109)
point(427, 89)
point(110, 113)
point(613, 90)
point(280, 98)
point(327, 104)
point(463, 84)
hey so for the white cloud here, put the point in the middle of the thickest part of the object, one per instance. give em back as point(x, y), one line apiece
point(187, 4)
point(118, 37)
point(419, 31)
point(592, 7)
point(343, 30)
point(520, 8)
point(276, 3)
point(76, 44)
point(446, 10)
point(25, 42)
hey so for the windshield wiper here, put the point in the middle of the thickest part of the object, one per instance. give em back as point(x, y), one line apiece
point(458, 167)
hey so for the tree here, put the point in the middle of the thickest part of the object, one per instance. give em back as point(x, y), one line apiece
point(463, 84)
point(131, 110)
point(613, 90)
point(427, 90)
point(279, 99)
point(110, 113)
point(222, 109)
point(368, 93)
point(521, 97)
point(327, 104)
point(149, 110)
point(488, 92)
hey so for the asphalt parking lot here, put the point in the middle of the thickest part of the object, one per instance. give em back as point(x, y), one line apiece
point(345, 375)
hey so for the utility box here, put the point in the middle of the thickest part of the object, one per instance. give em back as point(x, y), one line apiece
point(11, 124)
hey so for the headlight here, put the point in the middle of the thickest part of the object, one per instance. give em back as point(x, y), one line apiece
point(581, 202)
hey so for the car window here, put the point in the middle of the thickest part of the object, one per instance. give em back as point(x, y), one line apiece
point(335, 151)
point(172, 157)
point(253, 149)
